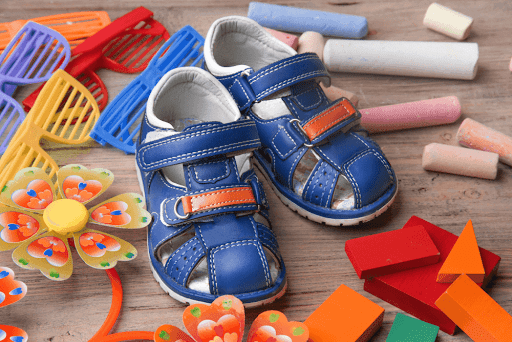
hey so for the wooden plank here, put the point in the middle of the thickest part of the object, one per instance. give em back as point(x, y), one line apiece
point(391, 252)
point(415, 291)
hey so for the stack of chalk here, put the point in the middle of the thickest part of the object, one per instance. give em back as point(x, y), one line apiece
point(451, 60)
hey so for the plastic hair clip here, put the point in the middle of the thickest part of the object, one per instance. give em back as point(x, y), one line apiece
point(126, 45)
point(62, 100)
point(119, 123)
point(31, 57)
point(75, 27)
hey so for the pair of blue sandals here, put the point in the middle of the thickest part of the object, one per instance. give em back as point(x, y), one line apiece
point(210, 234)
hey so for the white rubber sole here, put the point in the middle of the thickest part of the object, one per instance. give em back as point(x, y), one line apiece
point(189, 301)
point(320, 219)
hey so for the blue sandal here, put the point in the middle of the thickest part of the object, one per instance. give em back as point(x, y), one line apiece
point(210, 232)
point(318, 159)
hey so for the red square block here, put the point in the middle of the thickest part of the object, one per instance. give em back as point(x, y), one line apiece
point(416, 290)
point(391, 252)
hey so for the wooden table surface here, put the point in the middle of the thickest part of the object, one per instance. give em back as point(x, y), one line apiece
point(314, 254)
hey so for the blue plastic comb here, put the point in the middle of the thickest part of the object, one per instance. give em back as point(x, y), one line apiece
point(31, 56)
point(119, 123)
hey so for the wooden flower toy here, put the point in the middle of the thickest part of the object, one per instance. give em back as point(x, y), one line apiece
point(37, 220)
point(10, 292)
point(223, 321)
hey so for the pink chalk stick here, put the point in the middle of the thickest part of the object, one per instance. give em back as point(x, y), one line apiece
point(424, 113)
point(460, 161)
point(510, 65)
point(480, 137)
point(288, 39)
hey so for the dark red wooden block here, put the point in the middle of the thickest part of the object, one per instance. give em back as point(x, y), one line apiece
point(391, 252)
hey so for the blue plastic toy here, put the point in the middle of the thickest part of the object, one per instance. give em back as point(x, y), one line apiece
point(119, 123)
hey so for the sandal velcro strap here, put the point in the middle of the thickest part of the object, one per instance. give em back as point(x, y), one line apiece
point(201, 205)
point(247, 89)
point(338, 116)
point(194, 144)
point(219, 198)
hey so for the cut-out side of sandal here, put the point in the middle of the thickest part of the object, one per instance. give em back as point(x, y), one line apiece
point(314, 153)
point(210, 234)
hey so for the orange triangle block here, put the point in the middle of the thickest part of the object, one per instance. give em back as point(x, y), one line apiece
point(464, 258)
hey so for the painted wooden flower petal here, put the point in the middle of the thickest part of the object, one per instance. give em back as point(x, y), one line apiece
point(48, 252)
point(10, 290)
point(81, 184)
point(169, 333)
point(17, 226)
point(101, 250)
point(31, 189)
point(274, 326)
point(224, 319)
point(122, 211)
point(9, 333)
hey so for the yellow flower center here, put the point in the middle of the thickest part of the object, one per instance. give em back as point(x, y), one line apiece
point(65, 216)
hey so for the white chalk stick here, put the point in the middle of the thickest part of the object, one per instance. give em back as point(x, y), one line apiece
point(447, 21)
point(311, 42)
point(460, 161)
point(423, 59)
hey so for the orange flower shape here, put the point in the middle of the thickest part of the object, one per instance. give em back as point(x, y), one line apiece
point(38, 221)
point(10, 292)
point(223, 321)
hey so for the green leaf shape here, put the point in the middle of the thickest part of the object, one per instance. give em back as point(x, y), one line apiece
point(273, 318)
point(196, 312)
point(298, 331)
point(54, 274)
point(164, 335)
point(129, 255)
point(227, 304)
point(23, 262)
point(104, 264)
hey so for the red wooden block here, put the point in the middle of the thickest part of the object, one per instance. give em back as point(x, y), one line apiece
point(416, 290)
point(391, 252)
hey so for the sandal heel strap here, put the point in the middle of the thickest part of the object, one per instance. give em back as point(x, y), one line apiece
point(247, 89)
point(217, 139)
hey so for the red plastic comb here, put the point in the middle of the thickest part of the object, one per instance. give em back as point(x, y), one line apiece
point(126, 45)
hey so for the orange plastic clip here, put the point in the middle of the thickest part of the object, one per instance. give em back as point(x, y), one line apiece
point(75, 27)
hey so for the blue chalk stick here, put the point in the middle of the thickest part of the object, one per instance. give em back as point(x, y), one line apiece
point(294, 19)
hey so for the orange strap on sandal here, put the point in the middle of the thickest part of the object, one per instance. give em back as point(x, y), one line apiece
point(328, 119)
point(216, 199)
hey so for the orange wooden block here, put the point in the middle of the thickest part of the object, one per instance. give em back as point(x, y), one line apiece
point(464, 258)
point(475, 312)
point(346, 316)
